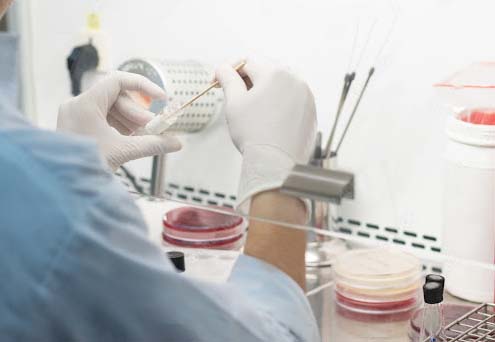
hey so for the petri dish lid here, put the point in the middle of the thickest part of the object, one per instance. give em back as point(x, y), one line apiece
point(400, 304)
point(383, 284)
point(213, 244)
point(377, 266)
point(196, 219)
point(379, 294)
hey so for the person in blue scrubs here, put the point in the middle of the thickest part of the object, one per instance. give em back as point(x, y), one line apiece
point(76, 263)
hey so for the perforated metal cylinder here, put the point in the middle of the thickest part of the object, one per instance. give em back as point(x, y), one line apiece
point(181, 80)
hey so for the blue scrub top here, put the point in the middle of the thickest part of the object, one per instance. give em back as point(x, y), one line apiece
point(76, 263)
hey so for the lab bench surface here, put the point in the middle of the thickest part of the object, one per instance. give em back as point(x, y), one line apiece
point(336, 328)
point(216, 265)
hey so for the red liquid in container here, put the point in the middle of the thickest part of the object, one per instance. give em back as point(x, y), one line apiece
point(229, 244)
point(479, 116)
point(379, 316)
point(385, 306)
point(377, 285)
point(199, 228)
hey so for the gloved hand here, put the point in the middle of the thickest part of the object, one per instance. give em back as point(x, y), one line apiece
point(273, 124)
point(107, 113)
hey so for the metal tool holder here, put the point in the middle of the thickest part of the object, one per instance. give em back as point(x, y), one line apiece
point(476, 325)
point(326, 188)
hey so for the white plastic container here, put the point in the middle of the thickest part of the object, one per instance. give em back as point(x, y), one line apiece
point(469, 208)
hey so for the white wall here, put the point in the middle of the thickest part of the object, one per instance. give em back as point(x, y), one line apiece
point(395, 145)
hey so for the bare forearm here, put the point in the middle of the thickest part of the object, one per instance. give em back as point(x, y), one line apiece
point(276, 244)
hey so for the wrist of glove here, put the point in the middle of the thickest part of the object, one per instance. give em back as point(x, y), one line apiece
point(264, 168)
point(273, 124)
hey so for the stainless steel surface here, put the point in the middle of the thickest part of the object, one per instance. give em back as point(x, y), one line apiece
point(319, 184)
point(476, 325)
point(207, 89)
point(150, 70)
point(322, 253)
point(365, 86)
point(182, 80)
point(157, 183)
point(321, 250)
point(349, 77)
point(336, 328)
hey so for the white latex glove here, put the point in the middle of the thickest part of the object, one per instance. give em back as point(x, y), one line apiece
point(273, 124)
point(107, 113)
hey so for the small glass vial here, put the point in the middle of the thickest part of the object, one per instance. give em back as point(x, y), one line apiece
point(432, 322)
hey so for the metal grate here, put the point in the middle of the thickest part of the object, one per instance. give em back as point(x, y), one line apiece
point(476, 325)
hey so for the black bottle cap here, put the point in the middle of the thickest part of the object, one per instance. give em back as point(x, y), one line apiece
point(435, 278)
point(433, 293)
point(178, 260)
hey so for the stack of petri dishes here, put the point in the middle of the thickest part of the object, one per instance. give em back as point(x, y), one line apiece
point(192, 227)
point(377, 285)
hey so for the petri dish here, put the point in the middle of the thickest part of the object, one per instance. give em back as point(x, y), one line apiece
point(378, 296)
point(234, 243)
point(376, 306)
point(380, 282)
point(199, 228)
point(372, 266)
point(478, 116)
point(375, 316)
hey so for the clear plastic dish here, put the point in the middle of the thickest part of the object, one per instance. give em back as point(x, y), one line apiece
point(478, 116)
point(378, 296)
point(375, 316)
point(376, 306)
point(376, 267)
point(198, 228)
point(380, 282)
point(233, 243)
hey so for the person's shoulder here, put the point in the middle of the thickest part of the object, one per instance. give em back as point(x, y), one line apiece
point(53, 146)
point(63, 156)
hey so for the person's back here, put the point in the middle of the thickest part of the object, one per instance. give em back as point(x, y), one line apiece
point(52, 218)
point(76, 264)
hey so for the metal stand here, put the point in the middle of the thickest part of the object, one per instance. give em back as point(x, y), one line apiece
point(326, 188)
point(476, 325)
point(157, 185)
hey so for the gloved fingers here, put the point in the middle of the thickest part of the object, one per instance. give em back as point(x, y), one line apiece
point(119, 126)
point(124, 121)
point(230, 80)
point(136, 147)
point(234, 64)
point(130, 81)
point(255, 70)
point(107, 91)
point(132, 111)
